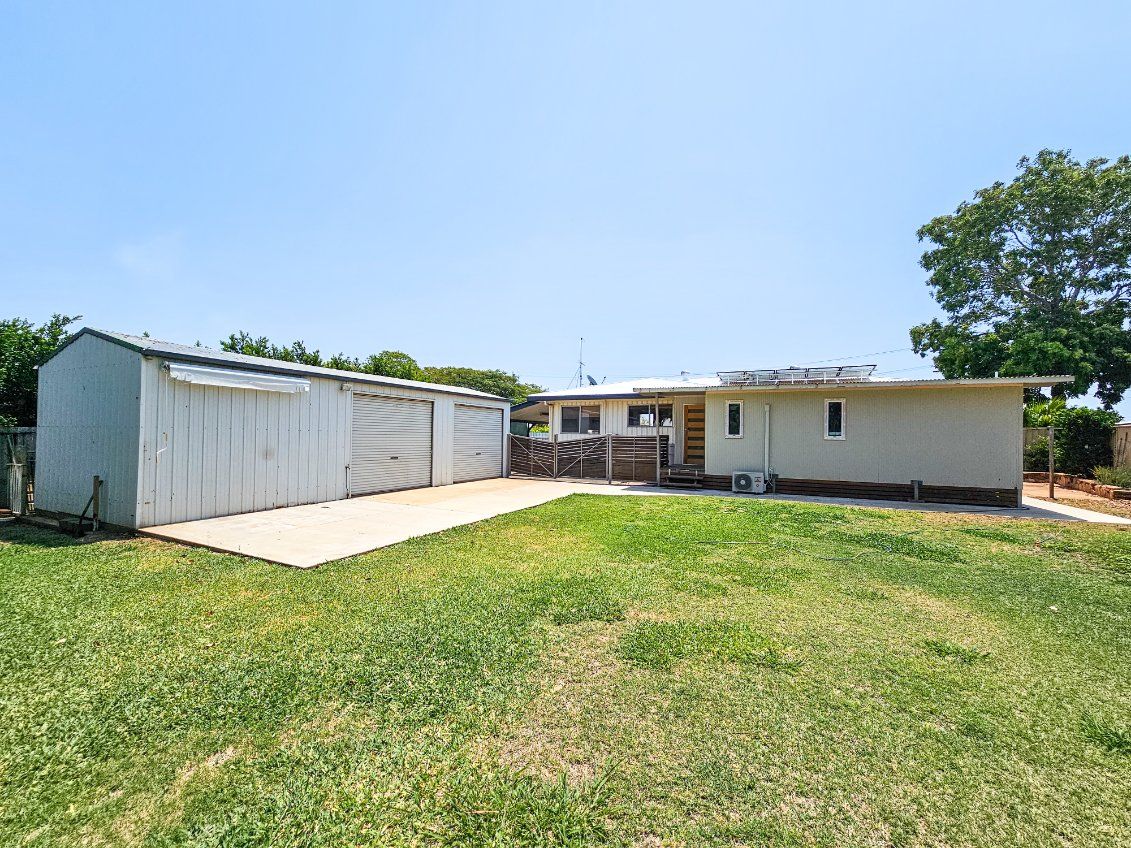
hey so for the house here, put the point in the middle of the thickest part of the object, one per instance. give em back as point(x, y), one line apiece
point(177, 433)
point(837, 430)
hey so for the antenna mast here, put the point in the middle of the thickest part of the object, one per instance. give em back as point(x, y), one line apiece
point(580, 365)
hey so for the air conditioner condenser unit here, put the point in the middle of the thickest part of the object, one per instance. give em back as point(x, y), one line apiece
point(750, 482)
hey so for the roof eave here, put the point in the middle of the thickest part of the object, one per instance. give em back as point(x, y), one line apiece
point(330, 374)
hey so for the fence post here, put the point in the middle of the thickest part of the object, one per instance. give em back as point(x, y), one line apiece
point(555, 456)
point(1052, 484)
point(609, 459)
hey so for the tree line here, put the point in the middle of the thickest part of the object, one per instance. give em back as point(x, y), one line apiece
point(387, 363)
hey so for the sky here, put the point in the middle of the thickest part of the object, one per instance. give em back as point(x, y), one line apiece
point(697, 186)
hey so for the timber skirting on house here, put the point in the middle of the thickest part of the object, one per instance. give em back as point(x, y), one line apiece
point(880, 491)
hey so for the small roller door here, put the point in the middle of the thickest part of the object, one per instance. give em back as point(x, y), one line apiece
point(478, 443)
point(392, 444)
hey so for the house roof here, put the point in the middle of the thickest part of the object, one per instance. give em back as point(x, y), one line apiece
point(645, 386)
point(191, 353)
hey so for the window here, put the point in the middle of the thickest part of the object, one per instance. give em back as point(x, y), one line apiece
point(834, 418)
point(644, 415)
point(734, 419)
point(581, 419)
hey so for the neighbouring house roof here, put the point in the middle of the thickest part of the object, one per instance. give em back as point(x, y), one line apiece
point(645, 386)
point(191, 353)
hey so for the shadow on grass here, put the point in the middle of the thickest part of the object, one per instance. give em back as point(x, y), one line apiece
point(35, 537)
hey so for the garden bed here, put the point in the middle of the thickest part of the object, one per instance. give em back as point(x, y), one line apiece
point(1080, 484)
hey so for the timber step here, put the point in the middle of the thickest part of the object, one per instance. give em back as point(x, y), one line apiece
point(682, 477)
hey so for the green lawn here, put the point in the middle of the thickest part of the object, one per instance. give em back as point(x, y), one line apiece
point(597, 671)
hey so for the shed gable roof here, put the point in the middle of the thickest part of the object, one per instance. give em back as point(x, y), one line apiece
point(191, 353)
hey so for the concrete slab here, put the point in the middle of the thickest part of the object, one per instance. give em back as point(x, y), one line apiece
point(310, 535)
point(307, 536)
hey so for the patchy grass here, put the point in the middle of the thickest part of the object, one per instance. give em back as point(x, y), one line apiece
point(951, 650)
point(597, 671)
point(1115, 739)
point(661, 644)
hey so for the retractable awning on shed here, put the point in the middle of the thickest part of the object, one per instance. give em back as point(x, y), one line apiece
point(203, 375)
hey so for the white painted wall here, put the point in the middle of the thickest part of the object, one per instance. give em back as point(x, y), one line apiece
point(87, 425)
point(263, 449)
point(952, 436)
point(208, 450)
point(614, 420)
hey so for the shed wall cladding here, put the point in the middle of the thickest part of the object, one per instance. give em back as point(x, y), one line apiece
point(477, 443)
point(210, 451)
point(945, 436)
point(88, 425)
point(391, 444)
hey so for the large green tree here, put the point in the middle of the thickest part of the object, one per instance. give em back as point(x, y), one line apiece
point(393, 363)
point(23, 346)
point(248, 345)
point(492, 381)
point(1035, 277)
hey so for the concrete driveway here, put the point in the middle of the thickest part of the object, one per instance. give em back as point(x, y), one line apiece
point(310, 535)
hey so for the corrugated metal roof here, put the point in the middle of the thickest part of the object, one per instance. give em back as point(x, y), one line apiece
point(192, 353)
point(649, 385)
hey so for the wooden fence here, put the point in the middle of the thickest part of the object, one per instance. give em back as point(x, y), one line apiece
point(1121, 446)
point(625, 458)
point(17, 469)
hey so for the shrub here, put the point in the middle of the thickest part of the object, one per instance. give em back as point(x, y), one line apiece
point(1113, 476)
point(1037, 455)
point(1082, 439)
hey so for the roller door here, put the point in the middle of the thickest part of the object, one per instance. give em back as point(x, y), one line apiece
point(392, 444)
point(478, 443)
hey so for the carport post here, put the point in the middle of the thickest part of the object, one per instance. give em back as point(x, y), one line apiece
point(657, 422)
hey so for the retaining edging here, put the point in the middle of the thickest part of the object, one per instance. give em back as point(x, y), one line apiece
point(1080, 484)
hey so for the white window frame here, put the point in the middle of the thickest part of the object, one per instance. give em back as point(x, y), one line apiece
point(741, 420)
point(843, 420)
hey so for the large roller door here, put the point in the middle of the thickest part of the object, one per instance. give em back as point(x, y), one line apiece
point(392, 444)
point(478, 443)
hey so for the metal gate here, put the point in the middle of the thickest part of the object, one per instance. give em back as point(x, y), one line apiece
point(628, 458)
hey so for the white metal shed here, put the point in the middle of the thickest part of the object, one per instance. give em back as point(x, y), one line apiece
point(179, 433)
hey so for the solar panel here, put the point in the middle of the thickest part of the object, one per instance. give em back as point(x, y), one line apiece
point(779, 376)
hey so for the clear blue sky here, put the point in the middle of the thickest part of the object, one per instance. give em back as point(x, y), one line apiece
point(697, 186)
